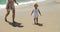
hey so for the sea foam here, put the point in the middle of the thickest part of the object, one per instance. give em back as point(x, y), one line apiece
point(4, 5)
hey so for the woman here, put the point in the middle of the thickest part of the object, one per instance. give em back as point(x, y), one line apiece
point(10, 6)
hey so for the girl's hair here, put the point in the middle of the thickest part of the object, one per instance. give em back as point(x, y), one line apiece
point(35, 4)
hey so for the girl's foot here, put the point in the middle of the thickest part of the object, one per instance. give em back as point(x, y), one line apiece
point(36, 23)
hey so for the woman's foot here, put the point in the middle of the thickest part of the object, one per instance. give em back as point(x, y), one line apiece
point(14, 22)
point(6, 20)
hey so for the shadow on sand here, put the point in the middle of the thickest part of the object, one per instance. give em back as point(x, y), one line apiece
point(15, 24)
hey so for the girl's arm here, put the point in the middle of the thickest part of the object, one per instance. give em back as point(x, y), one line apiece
point(39, 11)
point(16, 2)
point(32, 12)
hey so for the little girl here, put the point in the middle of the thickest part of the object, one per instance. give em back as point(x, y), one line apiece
point(35, 13)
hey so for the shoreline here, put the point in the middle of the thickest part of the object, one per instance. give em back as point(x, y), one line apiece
point(20, 4)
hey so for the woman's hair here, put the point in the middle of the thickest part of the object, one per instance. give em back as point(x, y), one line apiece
point(35, 4)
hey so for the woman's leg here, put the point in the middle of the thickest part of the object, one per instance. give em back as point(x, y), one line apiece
point(8, 12)
point(13, 16)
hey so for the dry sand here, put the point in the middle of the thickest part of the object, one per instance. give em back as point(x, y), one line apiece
point(50, 18)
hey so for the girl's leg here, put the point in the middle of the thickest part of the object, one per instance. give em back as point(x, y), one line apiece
point(8, 12)
point(13, 16)
point(34, 21)
point(37, 20)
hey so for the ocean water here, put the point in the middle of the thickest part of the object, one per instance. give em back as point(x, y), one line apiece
point(3, 2)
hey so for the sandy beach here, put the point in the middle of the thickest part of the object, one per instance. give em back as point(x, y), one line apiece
point(50, 18)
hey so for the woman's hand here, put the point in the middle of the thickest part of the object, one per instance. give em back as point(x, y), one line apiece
point(17, 3)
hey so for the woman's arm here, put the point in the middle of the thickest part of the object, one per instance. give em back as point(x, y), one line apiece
point(15, 2)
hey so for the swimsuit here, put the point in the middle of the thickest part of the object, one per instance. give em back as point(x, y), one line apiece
point(10, 4)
